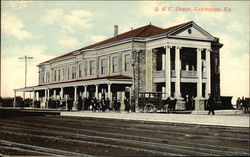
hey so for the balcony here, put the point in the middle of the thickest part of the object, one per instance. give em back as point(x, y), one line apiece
point(204, 74)
point(159, 74)
point(173, 74)
point(188, 74)
point(184, 74)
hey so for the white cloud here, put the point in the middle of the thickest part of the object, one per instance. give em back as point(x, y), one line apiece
point(19, 4)
point(68, 42)
point(13, 26)
point(79, 17)
point(67, 28)
point(234, 75)
point(179, 19)
point(97, 38)
point(231, 44)
point(52, 15)
point(20, 51)
point(237, 26)
point(12, 68)
point(234, 65)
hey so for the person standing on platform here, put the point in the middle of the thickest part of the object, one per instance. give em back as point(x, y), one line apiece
point(107, 103)
point(127, 105)
point(70, 104)
point(238, 103)
point(210, 104)
point(132, 104)
point(79, 103)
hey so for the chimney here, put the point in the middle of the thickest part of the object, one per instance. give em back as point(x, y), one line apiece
point(115, 30)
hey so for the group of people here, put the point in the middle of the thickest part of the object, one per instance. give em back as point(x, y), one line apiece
point(189, 102)
point(91, 104)
point(94, 104)
point(104, 104)
point(170, 105)
point(243, 103)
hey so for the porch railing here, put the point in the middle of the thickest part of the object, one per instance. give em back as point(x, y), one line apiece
point(188, 74)
point(159, 74)
point(184, 74)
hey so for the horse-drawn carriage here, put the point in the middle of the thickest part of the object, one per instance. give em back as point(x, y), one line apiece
point(153, 102)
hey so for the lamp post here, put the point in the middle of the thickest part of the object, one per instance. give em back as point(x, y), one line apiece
point(25, 80)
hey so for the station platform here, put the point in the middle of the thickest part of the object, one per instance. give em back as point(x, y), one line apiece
point(219, 119)
point(234, 118)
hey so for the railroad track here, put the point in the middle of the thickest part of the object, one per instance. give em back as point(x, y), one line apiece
point(55, 136)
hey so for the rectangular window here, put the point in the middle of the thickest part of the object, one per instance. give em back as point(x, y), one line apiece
point(86, 68)
point(68, 74)
point(43, 77)
point(62, 74)
point(92, 67)
point(74, 72)
point(114, 64)
point(47, 76)
point(103, 66)
point(80, 70)
point(127, 62)
point(54, 75)
point(59, 75)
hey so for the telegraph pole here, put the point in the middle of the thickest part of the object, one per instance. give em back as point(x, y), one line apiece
point(25, 80)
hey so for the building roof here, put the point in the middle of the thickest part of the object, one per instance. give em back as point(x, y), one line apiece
point(141, 32)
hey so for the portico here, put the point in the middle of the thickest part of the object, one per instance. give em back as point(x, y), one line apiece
point(78, 88)
point(182, 64)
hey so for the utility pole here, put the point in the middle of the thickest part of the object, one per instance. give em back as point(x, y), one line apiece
point(25, 80)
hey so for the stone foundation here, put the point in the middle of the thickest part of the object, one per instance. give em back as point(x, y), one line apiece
point(180, 104)
point(199, 104)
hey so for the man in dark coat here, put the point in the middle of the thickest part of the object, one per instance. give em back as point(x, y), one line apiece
point(107, 104)
point(70, 104)
point(79, 103)
point(132, 104)
point(127, 105)
point(210, 104)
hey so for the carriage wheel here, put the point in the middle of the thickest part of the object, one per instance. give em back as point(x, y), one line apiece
point(149, 108)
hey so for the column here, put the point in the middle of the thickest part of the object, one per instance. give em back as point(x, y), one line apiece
point(34, 97)
point(96, 91)
point(80, 94)
point(109, 91)
point(14, 103)
point(85, 91)
point(48, 94)
point(168, 72)
point(199, 100)
point(61, 93)
point(208, 63)
point(177, 72)
point(54, 93)
point(199, 73)
point(75, 98)
point(46, 97)
point(37, 96)
point(23, 96)
point(163, 58)
point(163, 90)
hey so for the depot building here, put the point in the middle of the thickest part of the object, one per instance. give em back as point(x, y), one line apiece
point(180, 60)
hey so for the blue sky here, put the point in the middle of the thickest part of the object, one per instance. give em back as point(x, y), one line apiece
point(45, 29)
